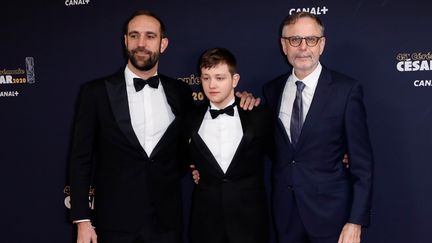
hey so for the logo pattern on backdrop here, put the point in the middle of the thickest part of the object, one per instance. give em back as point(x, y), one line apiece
point(195, 83)
point(67, 192)
point(313, 10)
point(69, 3)
point(21, 75)
point(415, 62)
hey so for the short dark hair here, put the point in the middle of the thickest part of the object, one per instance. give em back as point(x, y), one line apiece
point(214, 56)
point(292, 19)
point(146, 13)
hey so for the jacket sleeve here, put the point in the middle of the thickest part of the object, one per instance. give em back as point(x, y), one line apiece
point(81, 154)
point(360, 156)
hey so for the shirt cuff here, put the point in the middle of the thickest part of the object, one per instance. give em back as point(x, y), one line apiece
point(80, 220)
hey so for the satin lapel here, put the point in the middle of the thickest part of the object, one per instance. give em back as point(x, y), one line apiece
point(248, 131)
point(116, 89)
point(318, 105)
point(173, 101)
point(171, 94)
point(197, 140)
point(169, 135)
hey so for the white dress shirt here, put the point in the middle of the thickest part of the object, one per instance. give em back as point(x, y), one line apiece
point(289, 94)
point(222, 135)
point(149, 111)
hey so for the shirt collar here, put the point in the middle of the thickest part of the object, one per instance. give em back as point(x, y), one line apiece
point(311, 80)
point(129, 76)
point(212, 106)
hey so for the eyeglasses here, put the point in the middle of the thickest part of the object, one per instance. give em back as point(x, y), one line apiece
point(296, 41)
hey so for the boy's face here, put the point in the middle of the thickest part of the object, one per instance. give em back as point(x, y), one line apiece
point(218, 84)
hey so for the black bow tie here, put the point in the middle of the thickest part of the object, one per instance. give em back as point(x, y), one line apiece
point(139, 83)
point(229, 110)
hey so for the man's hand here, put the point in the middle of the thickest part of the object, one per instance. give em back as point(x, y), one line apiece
point(195, 174)
point(350, 233)
point(247, 100)
point(86, 233)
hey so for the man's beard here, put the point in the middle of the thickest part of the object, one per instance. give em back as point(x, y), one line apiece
point(139, 62)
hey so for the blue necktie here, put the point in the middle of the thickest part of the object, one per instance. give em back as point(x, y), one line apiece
point(297, 114)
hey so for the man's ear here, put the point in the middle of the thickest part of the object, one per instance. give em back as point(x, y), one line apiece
point(284, 47)
point(236, 79)
point(164, 44)
point(322, 44)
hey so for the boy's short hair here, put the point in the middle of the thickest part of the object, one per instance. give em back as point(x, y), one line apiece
point(215, 56)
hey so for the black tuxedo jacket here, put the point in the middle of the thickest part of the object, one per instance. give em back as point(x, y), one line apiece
point(231, 205)
point(326, 194)
point(130, 185)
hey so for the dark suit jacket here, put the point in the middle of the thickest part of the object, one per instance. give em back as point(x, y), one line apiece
point(130, 186)
point(233, 204)
point(326, 194)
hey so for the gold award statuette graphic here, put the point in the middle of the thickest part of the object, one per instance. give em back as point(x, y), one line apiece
point(29, 61)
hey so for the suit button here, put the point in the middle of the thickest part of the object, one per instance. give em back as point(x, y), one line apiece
point(293, 162)
point(290, 187)
point(225, 180)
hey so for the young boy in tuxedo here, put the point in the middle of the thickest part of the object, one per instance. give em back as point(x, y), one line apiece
point(228, 147)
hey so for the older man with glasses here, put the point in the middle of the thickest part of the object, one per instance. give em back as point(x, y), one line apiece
point(319, 116)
